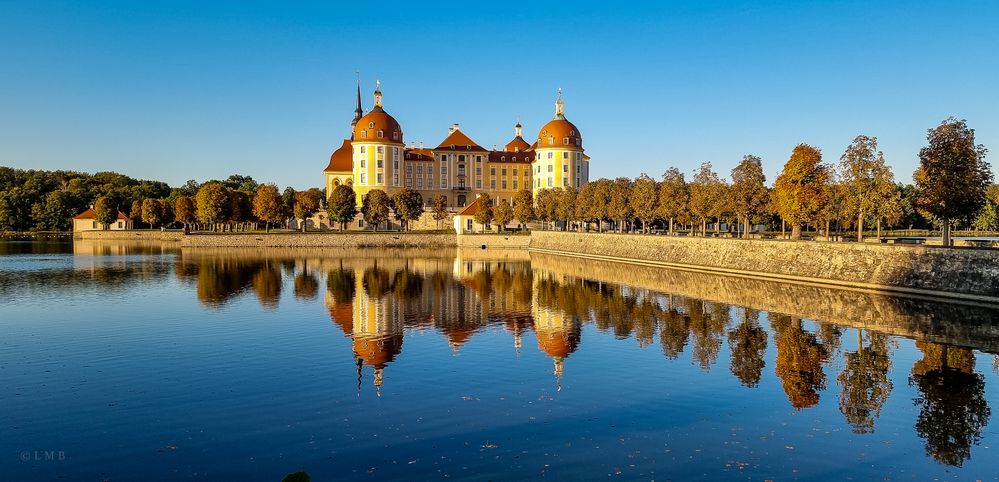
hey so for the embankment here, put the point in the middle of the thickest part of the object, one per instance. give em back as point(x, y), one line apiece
point(969, 274)
point(130, 235)
point(318, 240)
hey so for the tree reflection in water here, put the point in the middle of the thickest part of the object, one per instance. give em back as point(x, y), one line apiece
point(375, 302)
point(952, 405)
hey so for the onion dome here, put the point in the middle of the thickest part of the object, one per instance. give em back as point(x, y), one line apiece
point(559, 132)
point(377, 351)
point(378, 125)
point(340, 160)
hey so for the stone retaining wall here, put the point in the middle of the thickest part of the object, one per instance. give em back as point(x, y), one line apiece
point(130, 235)
point(515, 241)
point(318, 240)
point(961, 273)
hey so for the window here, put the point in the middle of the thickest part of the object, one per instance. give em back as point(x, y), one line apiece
point(409, 170)
point(395, 164)
point(515, 171)
point(503, 171)
point(364, 133)
point(419, 169)
point(395, 135)
point(579, 157)
point(443, 170)
point(550, 183)
point(502, 158)
point(430, 183)
point(468, 225)
point(362, 163)
point(577, 182)
point(503, 184)
point(362, 150)
point(478, 158)
point(565, 154)
point(381, 133)
point(565, 181)
point(419, 183)
point(395, 154)
point(551, 155)
point(478, 171)
point(461, 158)
point(515, 184)
point(492, 171)
point(551, 168)
point(443, 183)
point(371, 125)
point(395, 178)
point(492, 184)
point(364, 179)
point(539, 169)
point(380, 178)
point(565, 141)
point(381, 163)
point(478, 184)
point(565, 168)
point(381, 150)
point(551, 141)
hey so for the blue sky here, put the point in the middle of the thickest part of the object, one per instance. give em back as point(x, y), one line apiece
point(182, 90)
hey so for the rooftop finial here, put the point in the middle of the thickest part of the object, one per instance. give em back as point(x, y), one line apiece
point(559, 106)
point(378, 95)
point(518, 129)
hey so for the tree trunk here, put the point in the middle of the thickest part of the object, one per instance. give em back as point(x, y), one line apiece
point(828, 233)
point(879, 230)
point(704, 226)
point(783, 228)
point(860, 227)
point(796, 231)
point(946, 232)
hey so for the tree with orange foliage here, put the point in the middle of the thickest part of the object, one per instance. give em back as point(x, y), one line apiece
point(799, 191)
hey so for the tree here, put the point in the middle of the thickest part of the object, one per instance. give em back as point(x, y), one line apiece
point(267, 205)
point(135, 214)
point(152, 212)
point(105, 211)
point(865, 381)
point(598, 211)
point(440, 209)
point(619, 209)
point(503, 214)
point(288, 201)
point(58, 210)
point(705, 190)
point(523, 207)
point(837, 207)
point(644, 199)
point(748, 193)
point(953, 175)
point(748, 343)
point(408, 205)
point(869, 181)
point(375, 207)
point(674, 197)
point(212, 203)
point(307, 203)
point(342, 205)
point(565, 205)
point(185, 210)
point(484, 216)
point(547, 201)
point(798, 192)
point(799, 362)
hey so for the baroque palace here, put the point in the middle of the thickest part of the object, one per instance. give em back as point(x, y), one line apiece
point(376, 157)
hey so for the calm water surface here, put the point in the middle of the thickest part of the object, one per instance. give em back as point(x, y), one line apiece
point(145, 362)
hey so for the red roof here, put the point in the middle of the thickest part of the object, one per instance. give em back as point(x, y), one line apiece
point(508, 156)
point(458, 141)
point(420, 154)
point(90, 213)
point(341, 160)
point(470, 210)
point(517, 144)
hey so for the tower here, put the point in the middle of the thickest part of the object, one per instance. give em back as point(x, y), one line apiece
point(377, 150)
point(559, 160)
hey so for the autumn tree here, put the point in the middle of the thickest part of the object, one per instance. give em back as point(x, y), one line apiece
point(342, 205)
point(267, 205)
point(523, 207)
point(185, 210)
point(503, 214)
point(212, 203)
point(837, 207)
point(565, 205)
point(408, 206)
point(706, 191)
point(674, 197)
point(484, 215)
point(152, 211)
point(135, 214)
point(307, 203)
point(953, 175)
point(798, 192)
point(375, 207)
point(748, 344)
point(440, 211)
point(643, 199)
point(868, 179)
point(546, 201)
point(799, 362)
point(748, 193)
point(619, 209)
point(105, 211)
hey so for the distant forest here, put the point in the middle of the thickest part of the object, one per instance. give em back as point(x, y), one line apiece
point(38, 200)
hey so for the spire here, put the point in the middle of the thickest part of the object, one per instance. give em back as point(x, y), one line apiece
point(559, 364)
point(559, 106)
point(358, 112)
point(378, 95)
point(517, 129)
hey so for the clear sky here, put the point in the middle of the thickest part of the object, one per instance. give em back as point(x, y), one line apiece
point(197, 90)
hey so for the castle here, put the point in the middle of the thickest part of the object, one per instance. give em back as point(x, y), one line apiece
point(376, 157)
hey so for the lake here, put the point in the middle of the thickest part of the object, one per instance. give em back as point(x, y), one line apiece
point(147, 362)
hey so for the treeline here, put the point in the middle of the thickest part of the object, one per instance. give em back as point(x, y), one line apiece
point(953, 187)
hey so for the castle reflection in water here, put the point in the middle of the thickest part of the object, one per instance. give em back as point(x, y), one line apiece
point(376, 298)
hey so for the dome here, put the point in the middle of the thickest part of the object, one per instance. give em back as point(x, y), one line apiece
point(340, 160)
point(560, 133)
point(557, 343)
point(377, 351)
point(369, 126)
